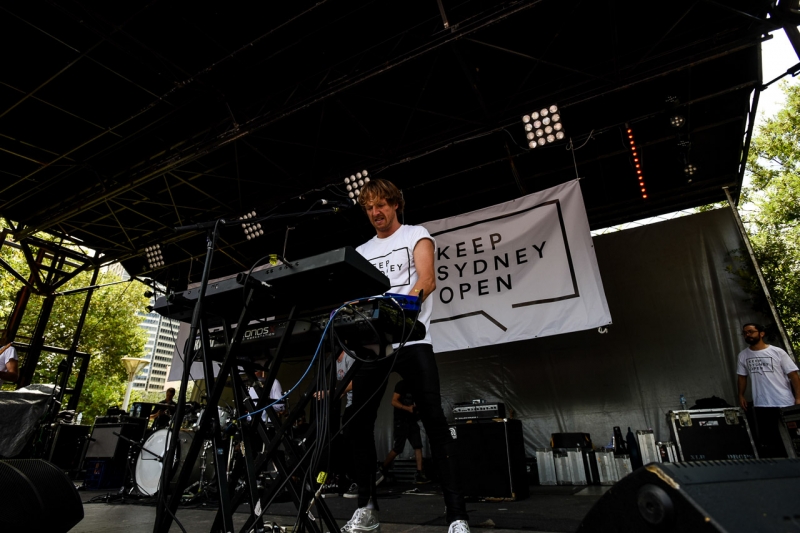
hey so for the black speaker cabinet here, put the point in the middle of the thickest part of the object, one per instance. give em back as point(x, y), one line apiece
point(113, 450)
point(66, 450)
point(37, 496)
point(491, 458)
point(735, 495)
point(105, 445)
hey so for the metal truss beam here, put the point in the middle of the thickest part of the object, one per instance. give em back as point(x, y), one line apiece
point(196, 151)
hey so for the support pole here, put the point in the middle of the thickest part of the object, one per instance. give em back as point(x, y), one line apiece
point(75, 393)
point(21, 303)
point(775, 316)
point(37, 342)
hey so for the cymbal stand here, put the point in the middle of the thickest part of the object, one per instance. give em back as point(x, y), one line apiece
point(129, 481)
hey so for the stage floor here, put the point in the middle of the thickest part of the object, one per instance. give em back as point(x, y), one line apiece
point(548, 509)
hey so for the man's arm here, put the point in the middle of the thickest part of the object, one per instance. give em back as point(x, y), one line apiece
point(426, 278)
point(794, 378)
point(742, 389)
point(399, 405)
point(12, 371)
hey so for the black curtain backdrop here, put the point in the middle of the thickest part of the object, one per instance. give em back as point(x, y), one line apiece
point(677, 312)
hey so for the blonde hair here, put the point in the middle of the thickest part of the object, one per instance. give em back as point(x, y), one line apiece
point(384, 189)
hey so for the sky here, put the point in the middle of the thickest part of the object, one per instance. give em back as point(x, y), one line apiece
point(777, 55)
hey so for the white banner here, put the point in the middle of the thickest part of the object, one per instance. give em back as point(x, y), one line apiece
point(516, 271)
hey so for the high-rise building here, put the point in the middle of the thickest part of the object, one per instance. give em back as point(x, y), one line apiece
point(161, 336)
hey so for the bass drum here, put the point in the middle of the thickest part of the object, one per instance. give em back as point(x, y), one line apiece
point(148, 466)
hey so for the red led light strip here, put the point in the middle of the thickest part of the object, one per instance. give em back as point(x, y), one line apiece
point(637, 165)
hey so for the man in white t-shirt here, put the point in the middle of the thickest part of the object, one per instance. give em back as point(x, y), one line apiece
point(405, 254)
point(275, 393)
point(9, 370)
point(775, 384)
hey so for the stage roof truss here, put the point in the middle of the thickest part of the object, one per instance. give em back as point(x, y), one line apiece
point(139, 120)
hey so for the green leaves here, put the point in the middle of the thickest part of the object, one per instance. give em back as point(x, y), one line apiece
point(771, 207)
point(111, 330)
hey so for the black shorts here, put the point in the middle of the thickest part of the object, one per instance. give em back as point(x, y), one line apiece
point(406, 428)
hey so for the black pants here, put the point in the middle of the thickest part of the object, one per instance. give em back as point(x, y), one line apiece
point(766, 432)
point(417, 366)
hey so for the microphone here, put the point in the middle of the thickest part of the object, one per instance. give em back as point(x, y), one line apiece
point(338, 203)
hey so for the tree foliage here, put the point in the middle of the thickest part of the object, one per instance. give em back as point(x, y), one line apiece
point(772, 208)
point(111, 330)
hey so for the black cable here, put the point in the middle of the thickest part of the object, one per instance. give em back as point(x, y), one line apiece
point(247, 278)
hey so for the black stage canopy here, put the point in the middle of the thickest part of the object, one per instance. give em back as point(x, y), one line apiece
point(121, 120)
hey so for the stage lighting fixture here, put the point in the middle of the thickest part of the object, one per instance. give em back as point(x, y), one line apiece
point(354, 183)
point(689, 170)
point(252, 230)
point(677, 121)
point(154, 257)
point(637, 163)
point(541, 124)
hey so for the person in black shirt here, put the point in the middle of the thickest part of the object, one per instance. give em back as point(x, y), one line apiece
point(166, 407)
point(406, 428)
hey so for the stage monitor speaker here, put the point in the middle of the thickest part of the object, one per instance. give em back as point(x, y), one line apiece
point(491, 458)
point(734, 495)
point(37, 496)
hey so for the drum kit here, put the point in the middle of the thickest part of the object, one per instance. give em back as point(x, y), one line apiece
point(145, 460)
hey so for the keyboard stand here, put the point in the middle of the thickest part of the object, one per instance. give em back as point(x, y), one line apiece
point(292, 469)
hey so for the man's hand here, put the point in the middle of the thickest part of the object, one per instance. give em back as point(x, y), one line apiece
point(741, 385)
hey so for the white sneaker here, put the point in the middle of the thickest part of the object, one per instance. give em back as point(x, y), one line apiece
point(364, 520)
point(459, 526)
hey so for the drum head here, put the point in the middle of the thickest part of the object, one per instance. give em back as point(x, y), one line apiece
point(148, 466)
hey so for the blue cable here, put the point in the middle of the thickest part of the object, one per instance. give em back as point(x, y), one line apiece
point(316, 353)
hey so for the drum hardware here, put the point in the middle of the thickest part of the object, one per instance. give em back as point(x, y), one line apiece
point(129, 487)
point(231, 447)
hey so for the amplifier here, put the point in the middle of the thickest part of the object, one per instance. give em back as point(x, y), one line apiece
point(491, 458)
point(470, 411)
point(66, 449)
point(113, 451)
